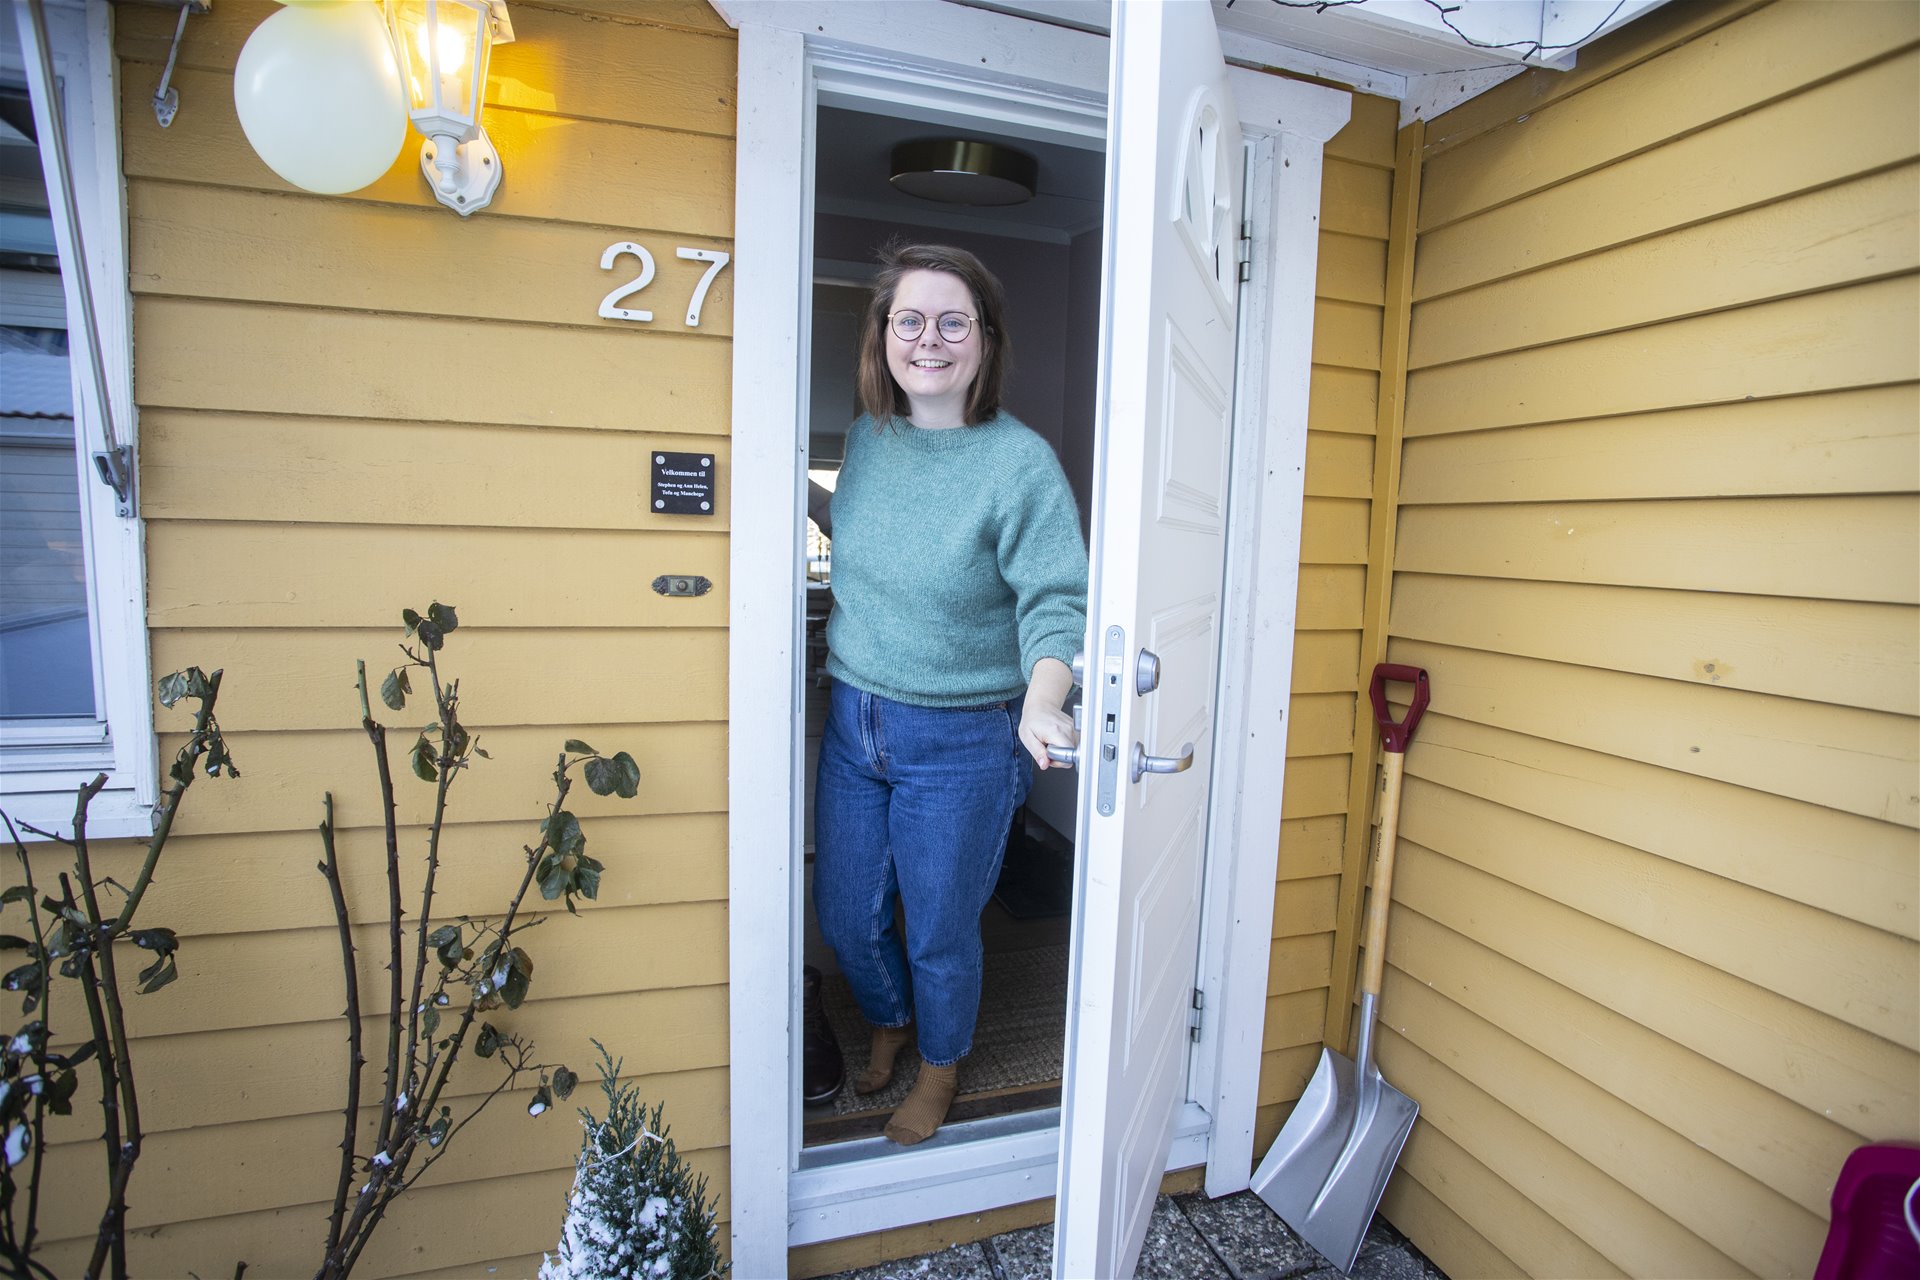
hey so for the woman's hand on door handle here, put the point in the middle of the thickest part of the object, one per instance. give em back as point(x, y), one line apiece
point(1042, 721)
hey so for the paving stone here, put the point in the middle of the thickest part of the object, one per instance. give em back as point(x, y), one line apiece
point(1249, 1237)
point(1026, 1254)
point(1403, 1262)
point(1174, 1250)
point(961, 1262)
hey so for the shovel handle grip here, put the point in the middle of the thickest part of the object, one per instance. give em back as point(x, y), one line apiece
point(1396, 734)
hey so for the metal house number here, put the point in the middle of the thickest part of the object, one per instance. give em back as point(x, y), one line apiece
point(610, 306)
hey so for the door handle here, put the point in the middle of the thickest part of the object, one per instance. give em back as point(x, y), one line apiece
point(1144, 764)
point(1070, 756)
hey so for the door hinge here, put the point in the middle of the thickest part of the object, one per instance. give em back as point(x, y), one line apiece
point(1246, 252)
point(1194, 1015)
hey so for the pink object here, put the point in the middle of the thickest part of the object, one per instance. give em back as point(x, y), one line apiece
point(1873, 1236)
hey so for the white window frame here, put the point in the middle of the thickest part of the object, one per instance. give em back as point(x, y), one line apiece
point(41, 771)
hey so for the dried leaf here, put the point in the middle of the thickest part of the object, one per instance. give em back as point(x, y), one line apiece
point(395, 688)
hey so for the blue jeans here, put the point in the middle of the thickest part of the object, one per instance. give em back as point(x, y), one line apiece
point(913, 804)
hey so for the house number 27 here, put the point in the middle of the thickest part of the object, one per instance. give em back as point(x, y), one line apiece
point(610, 305)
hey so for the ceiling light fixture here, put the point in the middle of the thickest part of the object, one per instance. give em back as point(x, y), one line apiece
point(964, 171)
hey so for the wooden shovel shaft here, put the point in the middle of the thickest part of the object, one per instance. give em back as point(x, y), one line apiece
point(1380, 890)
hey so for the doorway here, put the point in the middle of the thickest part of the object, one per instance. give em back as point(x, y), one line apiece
point(1046, 250)
point(962, 66)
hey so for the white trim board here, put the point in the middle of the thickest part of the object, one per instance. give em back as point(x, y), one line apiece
point(792, 56)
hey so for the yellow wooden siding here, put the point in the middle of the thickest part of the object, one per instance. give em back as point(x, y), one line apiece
point(1654, 953)
point(1350, 291)
point(351, 405)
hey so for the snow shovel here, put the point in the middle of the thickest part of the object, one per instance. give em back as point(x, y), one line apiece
point(1326, 1171)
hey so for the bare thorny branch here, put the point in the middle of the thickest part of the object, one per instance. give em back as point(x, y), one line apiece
point(412, 1113)
point(87, 941)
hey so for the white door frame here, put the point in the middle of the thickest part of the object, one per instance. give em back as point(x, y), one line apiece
point(1047, 81)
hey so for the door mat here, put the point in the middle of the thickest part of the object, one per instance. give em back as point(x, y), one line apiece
point(1019, 1039)
point(1036, 878)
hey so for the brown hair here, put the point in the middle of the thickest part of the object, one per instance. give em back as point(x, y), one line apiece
point(880, 396)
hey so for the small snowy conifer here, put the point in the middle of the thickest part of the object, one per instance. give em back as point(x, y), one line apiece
point(636, 1209)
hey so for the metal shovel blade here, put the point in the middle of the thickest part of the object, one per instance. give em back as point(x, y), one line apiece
point(1325, 1173)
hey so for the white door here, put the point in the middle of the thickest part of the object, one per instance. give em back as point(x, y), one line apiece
point(1166, 406)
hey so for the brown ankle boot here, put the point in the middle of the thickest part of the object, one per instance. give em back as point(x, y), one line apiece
point(887, 1044)
point(926, 1105)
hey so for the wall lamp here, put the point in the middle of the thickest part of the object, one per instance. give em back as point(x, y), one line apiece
point(443, 47)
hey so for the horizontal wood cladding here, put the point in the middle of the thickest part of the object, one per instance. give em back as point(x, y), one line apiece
point(1860, 1081)
point(651, 860)
point(1310, 847)
point(297, 1069)
point(1848, 653)
point(296, 680)
point(1795, 1153)
point(242, 1167)
point(1329, 597)
point(287, 250)
point(1547, 1248)
point(1853, 867)
point(210, 355)
point(477, 1220)
point(1444, 1238)
point(1354, 198)
point(1320, 724)
point(1630, 1162)
point(358, 403)
point(1858, 974)
point(682, 768)
point(1296, 1018)
point(1304, 907)
point(1367, 137)
point(250, 467)
point(1299, 964)
point(1823, 548)
point(1775, 53)
point(1344, 400)
point(1834, 236)
point(1861, 762)
point(1807, 141)
point(1334, 531)
point(1326, 661)
point(1580, 1196)
point(1840, 442)
point(239, 980)
point(1316, 787)
point(316, 576)
point(1861, 336)
point(1351, 268)
point(1283, 1078)
point(553, 167)
point(1346, 334)
point(574, 64)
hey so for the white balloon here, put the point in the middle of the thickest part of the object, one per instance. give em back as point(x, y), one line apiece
point(318, 92)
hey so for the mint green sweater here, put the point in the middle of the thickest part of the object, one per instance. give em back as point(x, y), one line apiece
point(957, 562)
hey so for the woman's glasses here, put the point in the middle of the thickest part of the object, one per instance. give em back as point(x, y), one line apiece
point(953, 326)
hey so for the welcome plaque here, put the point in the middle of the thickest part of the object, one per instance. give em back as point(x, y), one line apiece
point(683, 484)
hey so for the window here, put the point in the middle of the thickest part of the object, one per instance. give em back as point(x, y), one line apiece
point(74, 696)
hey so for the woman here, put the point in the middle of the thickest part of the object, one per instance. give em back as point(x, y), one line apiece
point(960, 581)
